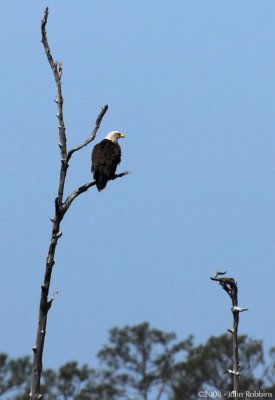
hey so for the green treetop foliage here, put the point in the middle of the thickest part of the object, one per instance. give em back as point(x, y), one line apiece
point(14, 374)
point(142, 363)
point(141, 360)
point(206, 365)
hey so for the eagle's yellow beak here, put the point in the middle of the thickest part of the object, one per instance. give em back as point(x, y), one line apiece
point(121, 135)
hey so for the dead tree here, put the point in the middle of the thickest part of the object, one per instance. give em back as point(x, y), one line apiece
point(61, 207)
point(231, 288)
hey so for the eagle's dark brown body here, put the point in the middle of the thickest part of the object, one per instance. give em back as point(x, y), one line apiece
point(106, 156)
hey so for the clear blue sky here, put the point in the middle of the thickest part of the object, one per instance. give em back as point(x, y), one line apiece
point(192, 85)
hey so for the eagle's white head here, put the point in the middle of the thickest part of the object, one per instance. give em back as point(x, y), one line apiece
point(114, 135)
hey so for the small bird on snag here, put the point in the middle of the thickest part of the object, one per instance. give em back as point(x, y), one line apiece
point(106, 156)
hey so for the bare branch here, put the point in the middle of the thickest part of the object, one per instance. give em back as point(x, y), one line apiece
point(218, 273)
point(76, 193)
point(237, 309)
point(57, 72)
point(52, 299)
point(84, 188)
point(93, 134)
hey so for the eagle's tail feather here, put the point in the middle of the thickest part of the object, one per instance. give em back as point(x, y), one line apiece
point(101, 182)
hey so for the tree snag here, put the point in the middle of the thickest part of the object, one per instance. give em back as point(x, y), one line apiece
point(231, 288)
point(61, 207)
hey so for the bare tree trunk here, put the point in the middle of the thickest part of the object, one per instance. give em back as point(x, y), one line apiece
point(61, 207)
point(231, 288)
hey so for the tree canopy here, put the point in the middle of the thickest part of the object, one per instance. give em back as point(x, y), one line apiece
point(143, 363)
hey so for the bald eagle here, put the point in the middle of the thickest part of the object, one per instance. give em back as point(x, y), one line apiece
point(106, 156)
